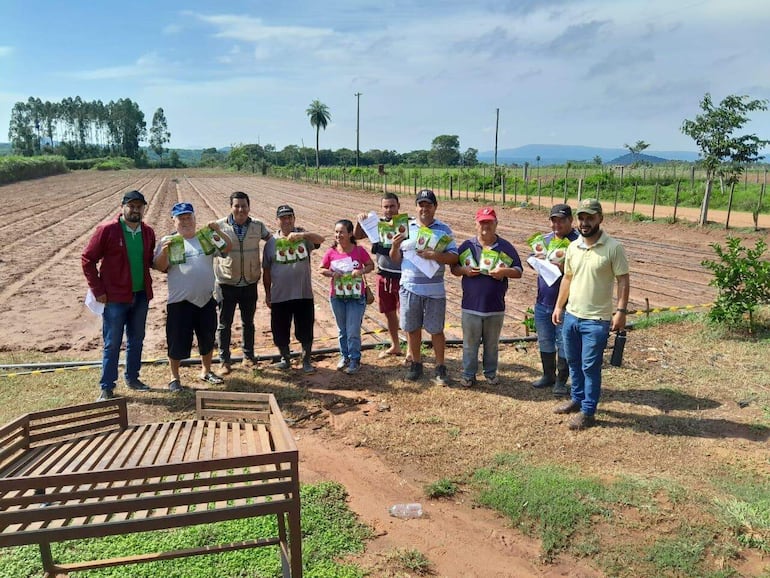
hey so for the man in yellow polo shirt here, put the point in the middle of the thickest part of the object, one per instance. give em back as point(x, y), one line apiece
point(593, 264)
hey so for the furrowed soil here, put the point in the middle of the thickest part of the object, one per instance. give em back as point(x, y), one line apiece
point(675, 410)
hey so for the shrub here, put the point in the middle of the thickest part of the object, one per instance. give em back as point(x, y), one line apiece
point(743, 281)
point(14, 168)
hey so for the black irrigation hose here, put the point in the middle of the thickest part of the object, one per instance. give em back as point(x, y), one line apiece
point(274, 357)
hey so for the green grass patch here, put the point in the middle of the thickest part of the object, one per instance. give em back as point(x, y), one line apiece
point(330, 531)
point(550, 502)
point(745, 507)
point(410, 560)
point(443, 488)
point(665, 318)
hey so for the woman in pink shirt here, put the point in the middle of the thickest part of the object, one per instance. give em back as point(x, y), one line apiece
point(345, 263)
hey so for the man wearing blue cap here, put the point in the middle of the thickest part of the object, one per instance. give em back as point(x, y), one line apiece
point(191, 307)
point(123, 249)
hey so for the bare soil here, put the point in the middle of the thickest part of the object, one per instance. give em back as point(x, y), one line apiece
point(382, 437)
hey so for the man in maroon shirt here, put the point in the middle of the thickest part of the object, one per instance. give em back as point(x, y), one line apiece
point(123, 249)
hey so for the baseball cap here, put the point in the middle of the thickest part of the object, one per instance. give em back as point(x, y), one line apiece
point(561, 210)
point(182, 209)
point(284, 211)
point(133, 196)
point(590, 206)
point(426, 195)
point(486, 214)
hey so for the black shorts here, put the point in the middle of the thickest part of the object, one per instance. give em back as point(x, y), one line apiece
point(184, 319)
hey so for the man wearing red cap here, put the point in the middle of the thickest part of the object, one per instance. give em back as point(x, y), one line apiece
point(486, 263)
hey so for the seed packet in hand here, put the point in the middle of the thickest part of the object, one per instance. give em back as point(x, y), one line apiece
point(176, 254)
point(400, 224)
point(537, 243)
point(488, 260)
point(467, 259)
point(387, 232)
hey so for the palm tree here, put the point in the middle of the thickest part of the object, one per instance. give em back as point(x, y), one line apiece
point(319, 116)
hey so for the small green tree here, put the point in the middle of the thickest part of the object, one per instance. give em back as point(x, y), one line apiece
point(724, 154)
point(742, 279)
point(445, 150)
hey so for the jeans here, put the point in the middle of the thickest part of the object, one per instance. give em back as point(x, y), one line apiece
point(349, 313)
point(549, 336)
point(245, 298)
point(584, 344)
point(117, 317)
point(478, 329)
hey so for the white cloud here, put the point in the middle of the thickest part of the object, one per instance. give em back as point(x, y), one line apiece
point(147, 65)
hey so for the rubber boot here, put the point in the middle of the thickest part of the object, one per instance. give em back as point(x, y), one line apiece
point(285, 362)
point(562, 375)
point(307, 350)
point(549, 370)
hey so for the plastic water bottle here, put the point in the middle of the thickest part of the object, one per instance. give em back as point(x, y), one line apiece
point(406, 511)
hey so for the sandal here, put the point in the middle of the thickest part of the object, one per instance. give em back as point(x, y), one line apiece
point(174, 386)
point(212, 377)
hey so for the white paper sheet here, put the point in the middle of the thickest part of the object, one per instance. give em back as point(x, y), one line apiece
point(91, 302)
point(344, 265)
point(428, 267)
point(547, 270)
point(369, 225)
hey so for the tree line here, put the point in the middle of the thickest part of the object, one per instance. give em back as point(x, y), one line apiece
point(79, 129)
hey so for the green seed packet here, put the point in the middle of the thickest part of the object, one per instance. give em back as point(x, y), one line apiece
point(281, 250)
point(176, 250)
point(424, 235)
point(400, 224)
point(537, 244)
point(387, 232)
point(204, 238)
point(557, 250)
point(488, 260)
point(505, 259)
point(467, 259)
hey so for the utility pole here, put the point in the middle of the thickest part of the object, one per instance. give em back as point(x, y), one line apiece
point(358, 118)
point(497, 123)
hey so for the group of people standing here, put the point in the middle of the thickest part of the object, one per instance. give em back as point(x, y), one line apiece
point(573, 315)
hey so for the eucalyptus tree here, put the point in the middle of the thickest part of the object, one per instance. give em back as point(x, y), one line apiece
point(159, 134)
point(319, 116)
point(723, 153)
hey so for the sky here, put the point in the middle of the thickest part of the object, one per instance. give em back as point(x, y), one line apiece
point(575, 72)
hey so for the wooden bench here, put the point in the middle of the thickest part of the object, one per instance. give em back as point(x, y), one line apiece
point(84, 472)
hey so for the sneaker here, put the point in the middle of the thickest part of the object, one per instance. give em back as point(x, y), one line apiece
point(354, 366)
point(493, 380)
point(212, 378)
point(227, 368)
point(342, 363)
point(467, 381)
point(581, 421)
point(285, 363)
point(570, 406)
point(174, 386)
point(106, 395)
point(440, 377)
point(137, 385)
point(560, 390)
point(415, 371)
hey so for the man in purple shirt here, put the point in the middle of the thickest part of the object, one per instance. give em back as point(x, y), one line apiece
point(484, 287)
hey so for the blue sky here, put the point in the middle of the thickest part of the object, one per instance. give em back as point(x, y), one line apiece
point(581, 72)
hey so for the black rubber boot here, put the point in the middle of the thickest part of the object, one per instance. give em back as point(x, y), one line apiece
point(548, 361)
point(307, 350)
point(562, 375)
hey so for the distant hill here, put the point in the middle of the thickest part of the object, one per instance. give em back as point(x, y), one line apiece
point(5, 148)
point(560, 154)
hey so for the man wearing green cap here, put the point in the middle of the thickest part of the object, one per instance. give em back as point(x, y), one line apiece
point(591, 266)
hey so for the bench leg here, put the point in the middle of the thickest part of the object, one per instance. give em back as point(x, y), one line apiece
point(295, 541)
point(47, 558)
